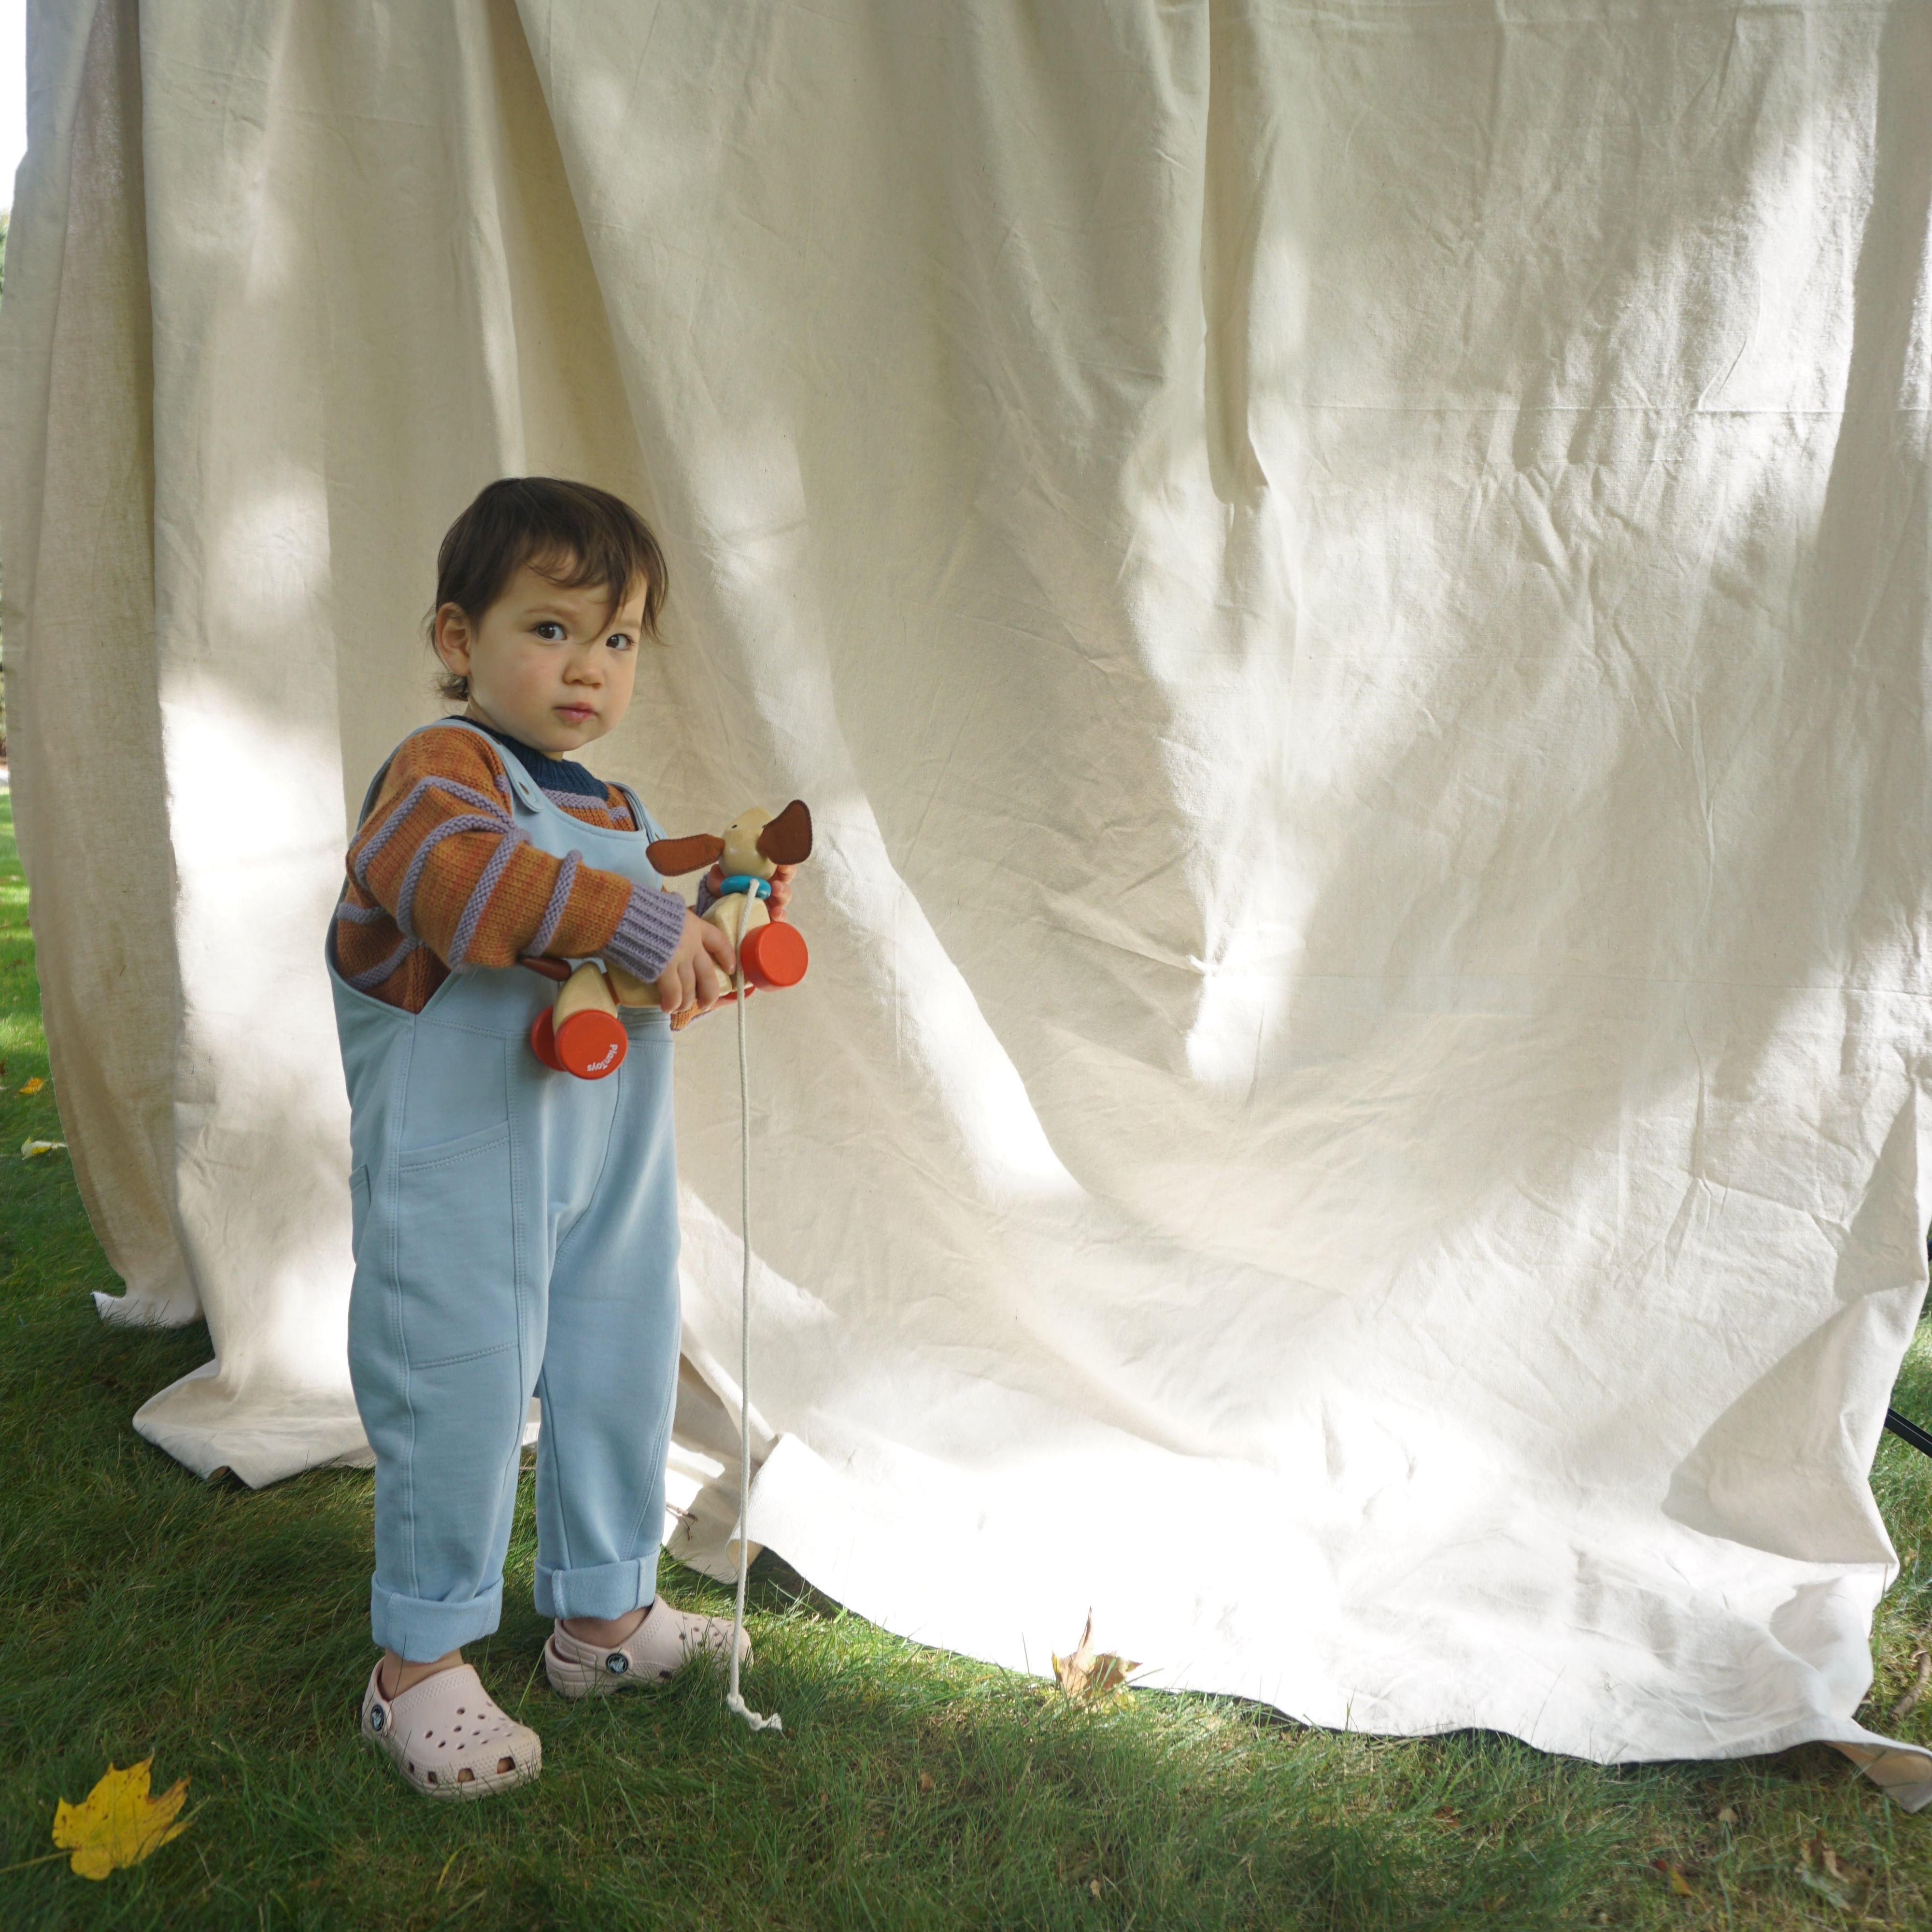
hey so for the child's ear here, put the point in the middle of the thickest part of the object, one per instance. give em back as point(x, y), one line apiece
point(787, 839)
point(451, 637)
point(670, 857)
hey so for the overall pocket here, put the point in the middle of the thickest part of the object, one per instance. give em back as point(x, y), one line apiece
point(456, 1248)
point(359, 1209)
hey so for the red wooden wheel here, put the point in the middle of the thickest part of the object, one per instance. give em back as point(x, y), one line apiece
point(591, 1045)
point(543, 1041)
point(774, 955)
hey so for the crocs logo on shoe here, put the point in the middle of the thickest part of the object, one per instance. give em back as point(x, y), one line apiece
point(617, 1664)
point(378, 1717)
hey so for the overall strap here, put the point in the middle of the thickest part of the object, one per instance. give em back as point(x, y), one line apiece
point(521, 782)
point(382, 770)
point(526, 787)
point(642, 819)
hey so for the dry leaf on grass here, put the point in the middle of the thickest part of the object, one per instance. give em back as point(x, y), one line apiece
point(1825, 1889)
point(34, 1085)
point(1089, 1675)
point(32, 1150)
point(117, 1823)
point(1844, 1874)
point(1837, 1881)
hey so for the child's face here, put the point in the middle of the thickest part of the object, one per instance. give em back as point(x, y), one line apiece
point(551, 666)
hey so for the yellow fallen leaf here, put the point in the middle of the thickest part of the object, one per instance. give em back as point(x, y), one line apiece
point(1680, 1885)
point(32, 1150)
point(34, 1085)
point(117, 1823)
point(1089, 1674)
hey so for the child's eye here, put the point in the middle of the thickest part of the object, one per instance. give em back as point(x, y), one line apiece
point(619, 640)
point(550, 630)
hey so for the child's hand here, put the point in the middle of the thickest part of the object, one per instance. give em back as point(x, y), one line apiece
point(692, 980)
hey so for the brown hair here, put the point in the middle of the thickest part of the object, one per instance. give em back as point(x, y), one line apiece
point(573, 534)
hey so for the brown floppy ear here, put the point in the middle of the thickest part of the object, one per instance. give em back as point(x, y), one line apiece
point(670, 857)
point(787, 840)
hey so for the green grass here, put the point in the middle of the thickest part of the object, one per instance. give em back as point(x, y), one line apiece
point(226, 1632)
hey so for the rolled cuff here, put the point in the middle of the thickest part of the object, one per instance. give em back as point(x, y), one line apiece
point(604, 1590)
point(648, 933)
point(419, 1631)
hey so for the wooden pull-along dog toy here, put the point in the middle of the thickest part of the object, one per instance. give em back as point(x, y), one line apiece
point(581, 1034)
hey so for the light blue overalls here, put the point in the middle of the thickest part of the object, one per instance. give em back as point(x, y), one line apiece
point(515, 1231)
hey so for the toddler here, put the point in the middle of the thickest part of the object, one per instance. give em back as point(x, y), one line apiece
point(515, 1230)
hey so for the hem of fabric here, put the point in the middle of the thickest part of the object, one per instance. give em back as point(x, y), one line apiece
point(604, 1590)
point(419, 1630)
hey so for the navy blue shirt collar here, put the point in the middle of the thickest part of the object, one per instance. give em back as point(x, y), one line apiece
point(552, 774)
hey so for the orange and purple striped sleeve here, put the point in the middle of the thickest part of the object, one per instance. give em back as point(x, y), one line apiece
point(440, 876)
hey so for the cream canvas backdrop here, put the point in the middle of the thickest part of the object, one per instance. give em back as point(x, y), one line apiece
point(1348, 586)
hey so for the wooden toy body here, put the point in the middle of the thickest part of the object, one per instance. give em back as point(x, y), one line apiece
point(629, 989)
point(586, 990)
point(736, 914)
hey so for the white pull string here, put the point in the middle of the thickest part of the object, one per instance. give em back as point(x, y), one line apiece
point(733, 1703)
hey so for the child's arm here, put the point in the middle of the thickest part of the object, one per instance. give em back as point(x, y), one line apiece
point(442, 855)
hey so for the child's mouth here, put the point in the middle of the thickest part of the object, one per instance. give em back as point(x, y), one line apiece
point(575, 714)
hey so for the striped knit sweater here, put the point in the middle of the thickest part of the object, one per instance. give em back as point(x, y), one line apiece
point(440, 876)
